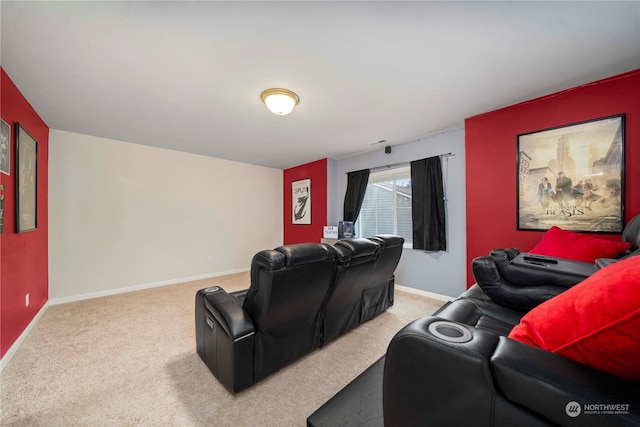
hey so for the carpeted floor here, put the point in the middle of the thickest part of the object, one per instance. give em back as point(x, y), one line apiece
point(130, 360)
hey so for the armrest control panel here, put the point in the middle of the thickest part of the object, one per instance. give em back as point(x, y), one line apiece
point(556, 265)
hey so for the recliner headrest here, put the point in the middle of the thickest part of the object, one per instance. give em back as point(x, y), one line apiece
point(388, 240)
point(269, 259)
point(305, 253)
point(356, 250)
point(631, 233)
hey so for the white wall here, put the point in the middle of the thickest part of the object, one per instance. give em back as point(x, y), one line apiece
point(437, 272)
point(123, 215)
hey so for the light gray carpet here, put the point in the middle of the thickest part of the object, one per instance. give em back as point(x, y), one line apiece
point(130, 360)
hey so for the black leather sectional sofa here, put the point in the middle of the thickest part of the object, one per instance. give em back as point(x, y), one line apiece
point(301, 297)
point(458, 368)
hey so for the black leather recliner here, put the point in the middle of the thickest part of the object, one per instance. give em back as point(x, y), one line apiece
point(378, 294)
point(457, 367)
point(523, 281)
point(243, 338)
point(464, 375)
point(301, 297)
point(356, 261)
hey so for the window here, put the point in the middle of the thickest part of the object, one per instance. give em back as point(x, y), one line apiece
point(386, 208)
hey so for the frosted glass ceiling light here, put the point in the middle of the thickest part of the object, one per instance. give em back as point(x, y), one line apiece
point(279, 101)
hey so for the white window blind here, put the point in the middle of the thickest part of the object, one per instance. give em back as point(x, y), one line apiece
point(386, 208)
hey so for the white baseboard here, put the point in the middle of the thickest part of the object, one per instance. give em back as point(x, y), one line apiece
point(428, 294)
point(12, 350)
point(64, 300)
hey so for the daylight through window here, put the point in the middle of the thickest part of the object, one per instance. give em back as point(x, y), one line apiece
point(386, 208)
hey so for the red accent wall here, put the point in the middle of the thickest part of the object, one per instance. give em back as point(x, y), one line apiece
point(490, 150)
point(24, 264)
point(317, 172)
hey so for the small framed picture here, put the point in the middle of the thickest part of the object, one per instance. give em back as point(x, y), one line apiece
point(26, 180)
point(5, 148)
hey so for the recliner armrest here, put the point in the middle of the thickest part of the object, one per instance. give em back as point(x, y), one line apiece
point(489, 278)
point(546, 383)
point(526, 269)
point(225, 338)
point(433, 381)
point(228, 311)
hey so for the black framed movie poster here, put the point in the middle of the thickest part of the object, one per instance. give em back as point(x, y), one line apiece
point(572, 177)
point(301, 201)
point(26, 180)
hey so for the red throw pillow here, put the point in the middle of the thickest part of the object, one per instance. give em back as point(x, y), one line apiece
point(597, 322)
point(579, 247)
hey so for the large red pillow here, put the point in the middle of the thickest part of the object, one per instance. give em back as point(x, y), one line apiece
point(580, 247)
point(596, 322)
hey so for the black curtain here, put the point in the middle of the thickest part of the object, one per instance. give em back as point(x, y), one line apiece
point(427, 205)
point(356, 187)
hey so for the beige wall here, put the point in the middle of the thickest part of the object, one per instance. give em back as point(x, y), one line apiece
point(124, 216)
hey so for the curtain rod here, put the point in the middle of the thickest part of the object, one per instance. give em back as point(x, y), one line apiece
point(393, 165)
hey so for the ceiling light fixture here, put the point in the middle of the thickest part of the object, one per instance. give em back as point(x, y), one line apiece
point(279, 101)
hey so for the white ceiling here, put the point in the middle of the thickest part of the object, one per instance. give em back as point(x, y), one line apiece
point(188, 75)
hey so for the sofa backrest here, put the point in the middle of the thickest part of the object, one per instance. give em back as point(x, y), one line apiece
point(288, 286)
point(343, 306)
point(378, 294)
point(631, 233)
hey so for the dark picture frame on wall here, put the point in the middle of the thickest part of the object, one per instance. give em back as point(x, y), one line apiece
point(26, 180)
point(573, 177)
point(5, 148)
point(301, 202)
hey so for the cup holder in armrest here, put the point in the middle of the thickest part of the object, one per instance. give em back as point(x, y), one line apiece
point(450, 332)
